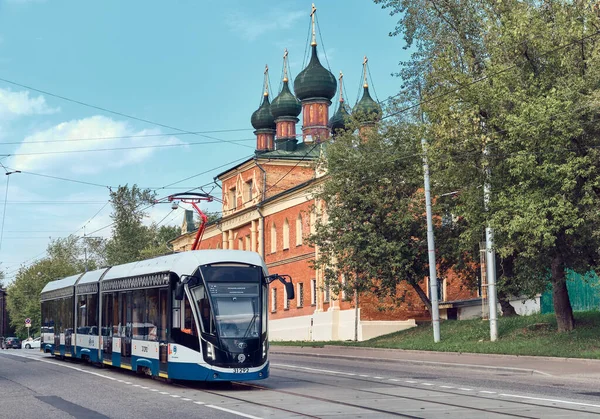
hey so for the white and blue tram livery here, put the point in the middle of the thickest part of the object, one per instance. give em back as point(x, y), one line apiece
point(197, 315)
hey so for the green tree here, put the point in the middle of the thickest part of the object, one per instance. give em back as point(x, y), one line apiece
point(23, 299)
point(373, 232)
point(160, 238)
point(129, 235)
point(494, 78)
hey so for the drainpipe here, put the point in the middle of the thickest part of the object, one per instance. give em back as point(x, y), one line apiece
point(261, 220)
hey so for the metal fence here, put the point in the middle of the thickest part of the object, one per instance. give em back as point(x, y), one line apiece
point(584, 293)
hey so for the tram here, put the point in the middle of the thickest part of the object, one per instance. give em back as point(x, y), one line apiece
point(199, 315)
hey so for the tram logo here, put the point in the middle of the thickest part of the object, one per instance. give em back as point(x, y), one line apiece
point(242, 345)
point(241, 358)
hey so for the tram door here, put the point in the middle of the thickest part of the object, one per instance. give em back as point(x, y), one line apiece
point(162, 327)
point(107, 325)
point(125, 302)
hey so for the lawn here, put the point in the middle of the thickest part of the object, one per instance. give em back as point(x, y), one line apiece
point(526, 335)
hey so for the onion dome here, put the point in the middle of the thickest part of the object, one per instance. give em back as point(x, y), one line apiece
point(366, 108)
point(285, 104)
point(262, 118)
point(339, 118)
point(315, 81)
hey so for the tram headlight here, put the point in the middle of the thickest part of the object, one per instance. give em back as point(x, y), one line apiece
point(264, 348)
point(210, 351)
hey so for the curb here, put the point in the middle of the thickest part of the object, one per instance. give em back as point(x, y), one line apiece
point(418, 362)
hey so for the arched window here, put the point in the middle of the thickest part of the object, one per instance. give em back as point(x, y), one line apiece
point(273, 238)
point(299, 231)
point(286, 234)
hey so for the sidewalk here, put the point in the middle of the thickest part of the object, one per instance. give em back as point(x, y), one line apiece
point(548, 366)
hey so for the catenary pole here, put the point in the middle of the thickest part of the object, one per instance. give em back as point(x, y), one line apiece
point(490, 255)
point(433, 286)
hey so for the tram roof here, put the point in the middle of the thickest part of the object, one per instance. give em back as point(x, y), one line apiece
point(184, 263)
point(92, 276)
point(69, 281)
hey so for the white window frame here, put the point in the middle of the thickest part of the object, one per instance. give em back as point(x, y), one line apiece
point(300, 297)
point(313, 292)
point(273, 300)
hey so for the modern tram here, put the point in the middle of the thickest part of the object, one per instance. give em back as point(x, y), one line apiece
point(199, 315)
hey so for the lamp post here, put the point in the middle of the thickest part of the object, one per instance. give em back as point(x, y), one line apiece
point(8, 173)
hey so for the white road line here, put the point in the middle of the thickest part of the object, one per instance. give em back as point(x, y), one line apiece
point(186, 400)
point(175, 396)
point(315, 369)
point(465, 389)
point(164, 392)
point(487, 392)
point(410, 382)
point(446, 387)
point(212, 406)
point(199, 402)
point(393, 379)
point(153, 389)
point(428, 384)
point(365, 376)
point(379, 378)
point(144, 388)
point(550, 400)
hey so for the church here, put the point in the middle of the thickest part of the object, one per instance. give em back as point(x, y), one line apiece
point(268, 207)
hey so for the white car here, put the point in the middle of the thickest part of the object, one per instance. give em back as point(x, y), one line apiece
point(30, 343)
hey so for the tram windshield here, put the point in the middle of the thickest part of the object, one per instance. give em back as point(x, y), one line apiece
point(235, 292)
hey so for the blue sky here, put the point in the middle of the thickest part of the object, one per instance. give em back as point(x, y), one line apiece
point(192, 65)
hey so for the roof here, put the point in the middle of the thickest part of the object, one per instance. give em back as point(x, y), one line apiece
point(302, 151)
point(184, 263)
point(285, 104)
point(69, 281)
point(366, 108)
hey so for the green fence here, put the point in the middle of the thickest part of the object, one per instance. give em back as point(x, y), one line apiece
point(584, 293)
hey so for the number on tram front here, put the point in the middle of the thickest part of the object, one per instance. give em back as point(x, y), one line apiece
point(240, 370)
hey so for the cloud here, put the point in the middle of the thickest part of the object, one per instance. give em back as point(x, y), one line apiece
point(17, 104)
point(96, 128)
point(251, 27)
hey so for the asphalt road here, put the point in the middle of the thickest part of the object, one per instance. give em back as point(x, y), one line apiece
point(34, 385)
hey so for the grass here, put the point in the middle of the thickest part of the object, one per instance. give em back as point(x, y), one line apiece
point(523, 335)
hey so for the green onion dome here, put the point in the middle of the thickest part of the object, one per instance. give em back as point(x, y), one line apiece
point(262, 118)
point(315, 81)
point(339, 118)
point(285, 104)
point(367, 110)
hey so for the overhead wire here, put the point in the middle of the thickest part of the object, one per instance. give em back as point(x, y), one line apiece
point(103, 109)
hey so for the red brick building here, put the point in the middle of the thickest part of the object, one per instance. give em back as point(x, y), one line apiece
point(268, 208)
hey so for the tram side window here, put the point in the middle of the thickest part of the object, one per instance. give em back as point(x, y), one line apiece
point(162, 332)
point(115, 314)
point(152, 320)
point(139, 314)
point(70, 320)
point(107, 313)
point(92, 313)
point(208, 325)
point(82, 308)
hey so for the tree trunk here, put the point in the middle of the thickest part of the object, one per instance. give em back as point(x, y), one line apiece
point(560, 295)
point(421, 295)
point(507, 309)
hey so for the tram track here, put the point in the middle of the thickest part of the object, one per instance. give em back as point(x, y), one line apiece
point(397, 384)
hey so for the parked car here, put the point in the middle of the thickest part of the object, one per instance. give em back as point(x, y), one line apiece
point(30, 343)
point(12, 342)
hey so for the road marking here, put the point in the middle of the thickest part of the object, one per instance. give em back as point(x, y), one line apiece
point(316, 370)
point(212, 406)
point(549, 400)
point(465, 389)
point(153, 389)
point(410, 382)
point(393, 379)
point(175, 396)
point(487, 392)
point(379, 378)
point(199, 402)
point(164, 392)
point(446, 387)
point(362, 375)
point(187, 400)
point(428, 384)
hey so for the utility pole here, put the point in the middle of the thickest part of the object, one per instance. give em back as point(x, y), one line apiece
point(433, 287)
point(490, 255)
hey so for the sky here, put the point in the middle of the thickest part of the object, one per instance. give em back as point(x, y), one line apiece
point(151, 73)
